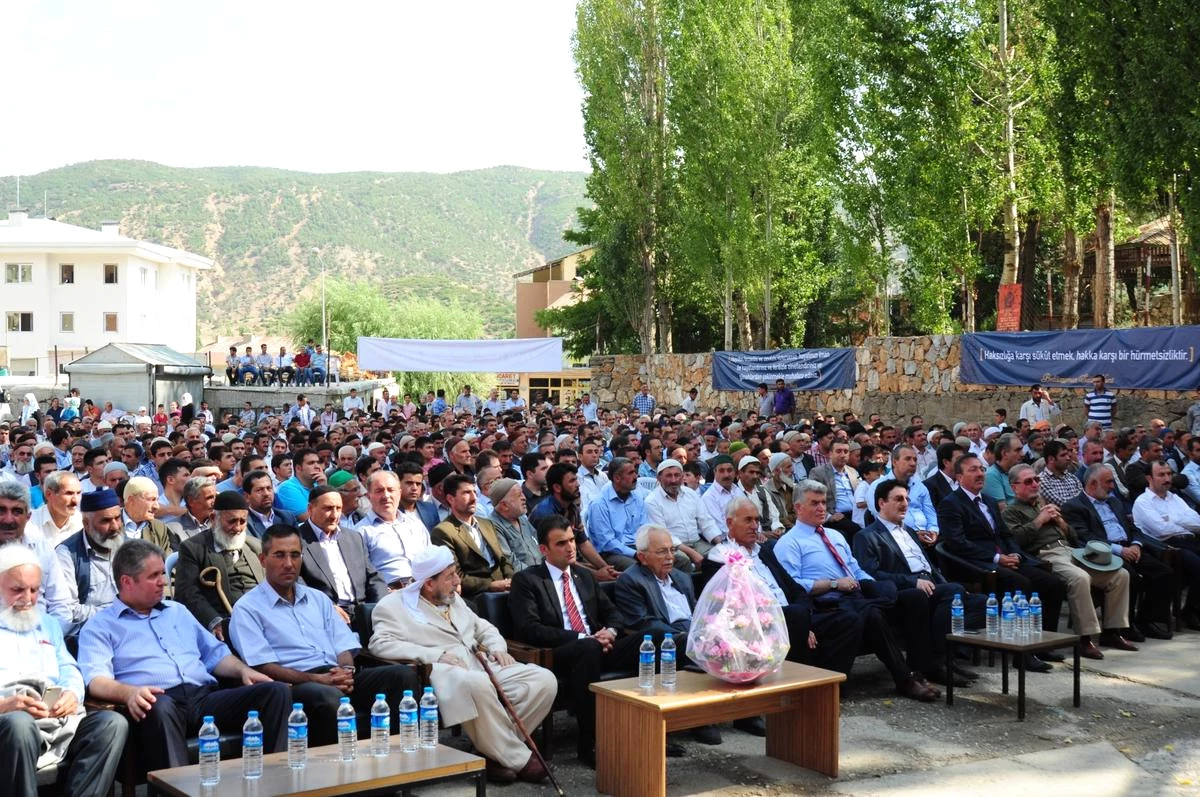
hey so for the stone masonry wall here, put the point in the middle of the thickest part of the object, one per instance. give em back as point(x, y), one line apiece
point(897, 378)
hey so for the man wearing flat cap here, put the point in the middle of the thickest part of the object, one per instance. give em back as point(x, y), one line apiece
point(218, 566)
point(428, 622)
point(86, 557)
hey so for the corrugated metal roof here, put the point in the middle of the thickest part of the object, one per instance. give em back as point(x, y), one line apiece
point(153, 353)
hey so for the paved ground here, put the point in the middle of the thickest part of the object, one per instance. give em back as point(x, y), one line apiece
point(1137, 732)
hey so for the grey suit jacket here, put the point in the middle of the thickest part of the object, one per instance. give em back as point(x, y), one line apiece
point(367, 584)
point(641, 605)
point(824, 474)
point(197, 554)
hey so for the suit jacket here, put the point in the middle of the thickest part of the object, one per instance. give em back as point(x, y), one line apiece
point(477, 574)
point(537, 611)
point(1137, 478)
point(255, 527)
point(1085, 520)
point(185, 526)
point(641, 605)
point(877, 552)
point(428, 512)
point(938, 488)
point(161, 535)
point(824, 474)
point(196, 554)
point(967, 534)
point(367, 584)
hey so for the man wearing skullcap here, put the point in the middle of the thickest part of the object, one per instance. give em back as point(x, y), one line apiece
point(224, 557)
point(428, 622)
point(86, 557)
point(681, 512)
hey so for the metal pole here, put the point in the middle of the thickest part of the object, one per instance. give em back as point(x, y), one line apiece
point(324, 317)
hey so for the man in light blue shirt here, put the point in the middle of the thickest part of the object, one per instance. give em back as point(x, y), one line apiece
point(1192, 470)
point(616, 515)
point(154, 657)
point(292, 634)
point(922, 515)
point(35, 651)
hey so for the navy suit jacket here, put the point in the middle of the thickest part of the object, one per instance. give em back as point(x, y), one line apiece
point(537, 612)
point(256, 528)
point(366, 583)
point(877, 553)
point(938, 488)
point(428, 512)
point(1083, 518)
point(967, 534)
point(640, 602)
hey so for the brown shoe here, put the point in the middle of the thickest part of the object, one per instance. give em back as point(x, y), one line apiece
point(1089, 650)
point(533, 771)
point(1113, 639)
point(913, 688)
point(498, 773)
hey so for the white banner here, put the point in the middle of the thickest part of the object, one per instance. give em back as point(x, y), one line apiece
point(488, 356)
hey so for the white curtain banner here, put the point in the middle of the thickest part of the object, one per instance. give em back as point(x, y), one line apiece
point(489, 356)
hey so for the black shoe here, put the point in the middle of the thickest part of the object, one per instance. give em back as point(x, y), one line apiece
point(1034, 664)
point(1155, 630)
point(1133, 634)
point(1191, 619)
point(707, 734)
point(675, 750)
point(755, 726)
point(966, 672)
point(938, 675)
point(1051, 656)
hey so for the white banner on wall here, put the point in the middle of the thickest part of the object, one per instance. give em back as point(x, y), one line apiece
point(489, 356)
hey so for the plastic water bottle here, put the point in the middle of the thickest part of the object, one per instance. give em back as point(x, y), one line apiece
point(993, 615)
point(409, 730)
point(347, 729)
point(646, 663)
point(429, 719)
point(297, 737)
point(958, 621)
point(1022, 617)
point(381, 726)
point(666, 662)
point(210, 753)
point(252, 746)
point(1035, 616)
point(1008, 617)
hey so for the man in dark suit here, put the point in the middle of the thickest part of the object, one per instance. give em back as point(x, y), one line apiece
point(1151, 578)
point(224, 556)
point(654, 598)
point(973, 529)
point(335, 559)
point(260, 497)
point(942, 482)
point(891, 552)
point(559, 605)
point(473, 541)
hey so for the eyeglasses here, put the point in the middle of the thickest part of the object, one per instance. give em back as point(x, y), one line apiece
point(1032, 480)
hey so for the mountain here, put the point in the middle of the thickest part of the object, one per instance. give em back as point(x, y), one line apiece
point(431, 236)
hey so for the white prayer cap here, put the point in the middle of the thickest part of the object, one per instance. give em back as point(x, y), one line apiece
point(668, 463)
point(433, 560)
point(16, 554)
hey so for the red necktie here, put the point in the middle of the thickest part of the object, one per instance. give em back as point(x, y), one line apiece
point(832, 550)
point(573, 615)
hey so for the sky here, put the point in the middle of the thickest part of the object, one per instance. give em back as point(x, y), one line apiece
point(405, 85)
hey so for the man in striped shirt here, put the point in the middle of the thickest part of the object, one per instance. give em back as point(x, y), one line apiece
point(1100, 403)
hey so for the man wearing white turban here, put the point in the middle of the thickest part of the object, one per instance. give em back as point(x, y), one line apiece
point(428, 622)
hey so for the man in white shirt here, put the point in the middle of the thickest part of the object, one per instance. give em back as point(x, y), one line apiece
point(689, 403)
point(1165, 516)
point(720, 492)
point(59, 517)
point(494, 404)
point(514, 400)
point(353, 403)
point(394, 532)
point(592, 479)
point(681, 512)
point(1040, 407)
point(588, 408)
point(749, 474)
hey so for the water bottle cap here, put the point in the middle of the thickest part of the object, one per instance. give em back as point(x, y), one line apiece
point(646, 638)
point(958, 596)
point(1034, 594)
point(428, 690)
point(381, 696)
point(252, 715)
point(208, 719)
point(344, 700)
point(991, 594)
point(297, 707)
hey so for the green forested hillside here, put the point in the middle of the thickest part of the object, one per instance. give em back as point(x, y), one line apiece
point(431, 236)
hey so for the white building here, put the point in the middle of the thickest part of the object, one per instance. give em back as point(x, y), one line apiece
point(78, 289)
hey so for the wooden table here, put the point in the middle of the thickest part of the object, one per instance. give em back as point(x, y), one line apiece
point(326, 774)
point(1019, 648)
point(801, 704)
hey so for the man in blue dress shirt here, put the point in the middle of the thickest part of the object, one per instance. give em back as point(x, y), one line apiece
point(616, 515)
point(292, 633)
point(820, 561)
point(153, 656)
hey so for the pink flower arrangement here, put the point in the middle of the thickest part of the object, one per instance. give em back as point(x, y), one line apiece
point(738, 633)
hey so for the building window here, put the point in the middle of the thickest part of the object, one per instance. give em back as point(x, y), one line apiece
point(110, 322)
point(66, 322)
point(18, 272)
point(66, 273)
point(143, 270)
point(19, 322)
point(110, 273)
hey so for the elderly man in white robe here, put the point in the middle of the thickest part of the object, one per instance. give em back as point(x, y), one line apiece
point(428, 622)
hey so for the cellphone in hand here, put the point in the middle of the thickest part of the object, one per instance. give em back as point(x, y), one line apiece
point(52, 695)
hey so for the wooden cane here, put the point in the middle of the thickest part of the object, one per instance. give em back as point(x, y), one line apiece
point(533, 748)
point(215, 581)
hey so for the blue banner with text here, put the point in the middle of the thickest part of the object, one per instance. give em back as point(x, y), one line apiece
point(1160, 358)
point(800, 369)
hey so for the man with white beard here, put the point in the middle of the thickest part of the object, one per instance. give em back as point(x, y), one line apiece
point(36, 654)
point(233, 553)
point(14, 517)
point(20, 464)
point(86, 557)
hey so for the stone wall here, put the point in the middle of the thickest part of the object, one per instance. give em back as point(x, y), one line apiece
point(897, 378)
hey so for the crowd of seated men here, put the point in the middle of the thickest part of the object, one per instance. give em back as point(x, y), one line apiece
point(311, 365)
point(222, 532)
